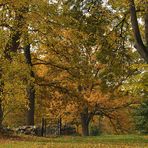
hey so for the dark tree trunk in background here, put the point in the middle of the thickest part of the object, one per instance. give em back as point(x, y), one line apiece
point(85, 120)
point(1, 113)
point(31, 98)
point(146, 24)
point(141, 48)
point(1, 95)
point(30, 87)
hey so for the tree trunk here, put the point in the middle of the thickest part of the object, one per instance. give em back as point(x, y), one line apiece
point(146, 24)
point(30, 88)
point(31, 99)
point(85, 120)
point(1, 95)
point(1, 113)
point(141, 48)
point(85, 127)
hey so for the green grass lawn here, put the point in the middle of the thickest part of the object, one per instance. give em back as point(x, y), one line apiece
point(108, 141)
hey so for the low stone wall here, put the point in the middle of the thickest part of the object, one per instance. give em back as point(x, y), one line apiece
point(28, 130)
point(6, 130)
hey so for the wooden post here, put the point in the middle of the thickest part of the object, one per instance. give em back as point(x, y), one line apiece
point(59, 125)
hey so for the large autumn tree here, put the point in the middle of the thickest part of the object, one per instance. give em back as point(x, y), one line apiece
point(81, 61)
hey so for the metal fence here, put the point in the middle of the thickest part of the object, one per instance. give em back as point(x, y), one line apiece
point(51, 127)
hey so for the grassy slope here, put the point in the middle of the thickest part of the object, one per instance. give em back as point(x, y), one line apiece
point(121, 141)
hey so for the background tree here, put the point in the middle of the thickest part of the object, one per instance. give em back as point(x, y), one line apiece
point(12, 44)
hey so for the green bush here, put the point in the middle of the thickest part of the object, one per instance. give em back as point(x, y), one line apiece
point(141, 117)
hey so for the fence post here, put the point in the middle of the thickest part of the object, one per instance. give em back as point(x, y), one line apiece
point(59, 125)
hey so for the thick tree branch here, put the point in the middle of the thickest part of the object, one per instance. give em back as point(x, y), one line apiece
point(146, 24)
point(141, 48)
point(51, 63)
